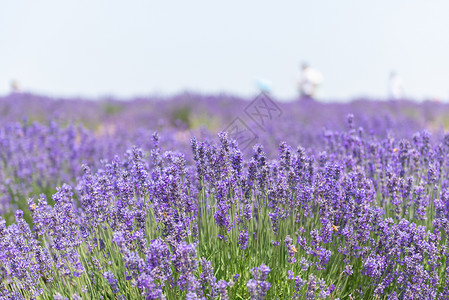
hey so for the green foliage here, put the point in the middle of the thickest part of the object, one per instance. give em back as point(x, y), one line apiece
point(181, 114)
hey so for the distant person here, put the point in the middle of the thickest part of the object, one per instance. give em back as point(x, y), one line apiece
point(15, 88)
point(308, 81)
point(395, 87)
point(264, 85)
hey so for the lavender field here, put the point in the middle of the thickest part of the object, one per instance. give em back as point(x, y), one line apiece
point(156, 198)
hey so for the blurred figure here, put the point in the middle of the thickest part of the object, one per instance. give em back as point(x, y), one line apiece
point(395, 87)
point(264, 85)
point(15, 88)
point(308, 81)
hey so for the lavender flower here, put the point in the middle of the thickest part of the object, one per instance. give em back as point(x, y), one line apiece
point(109, 276)
point(258, 286)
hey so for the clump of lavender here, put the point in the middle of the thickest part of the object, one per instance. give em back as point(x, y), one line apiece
point(311, 288)
point(258, 286)
point(290, 249)
point(112, 281)
point(222, 288)
point(186, 264)
point(299, 283)
point(208, 281)
point(243, 239)
point(348, 270)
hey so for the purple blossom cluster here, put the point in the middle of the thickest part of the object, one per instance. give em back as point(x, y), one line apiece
point(258, 286)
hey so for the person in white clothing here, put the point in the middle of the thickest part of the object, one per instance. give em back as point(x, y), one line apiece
point(15, 87)
point(308, 81)
point(395, 87)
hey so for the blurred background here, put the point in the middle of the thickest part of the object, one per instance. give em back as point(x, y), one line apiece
point(126, 49)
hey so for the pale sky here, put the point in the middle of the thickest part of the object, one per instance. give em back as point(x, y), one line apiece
point(125, 48)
